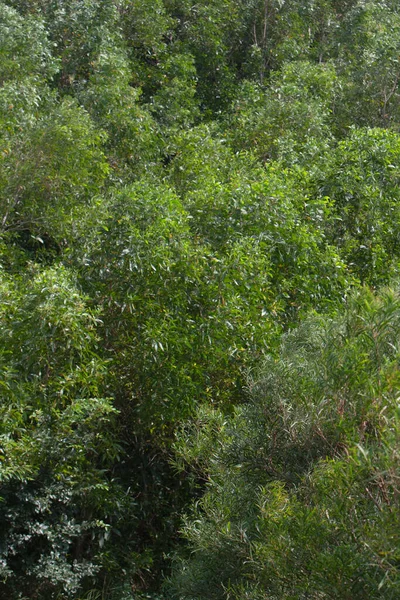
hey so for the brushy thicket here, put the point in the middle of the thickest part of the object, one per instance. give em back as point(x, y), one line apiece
point(199, 261)
point(302, 497)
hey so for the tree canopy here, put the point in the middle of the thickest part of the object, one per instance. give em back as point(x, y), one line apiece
point(199, 307)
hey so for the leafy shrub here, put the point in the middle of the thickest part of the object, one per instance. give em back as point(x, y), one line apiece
point(302, 498)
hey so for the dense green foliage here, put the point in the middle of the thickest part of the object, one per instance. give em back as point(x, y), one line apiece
point(302, 499)
point(199, 350)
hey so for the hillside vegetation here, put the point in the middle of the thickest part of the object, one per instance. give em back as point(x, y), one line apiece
point(199, 300)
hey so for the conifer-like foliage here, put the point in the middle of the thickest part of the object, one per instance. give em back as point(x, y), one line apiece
point(302, 493)
point(181, 185)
